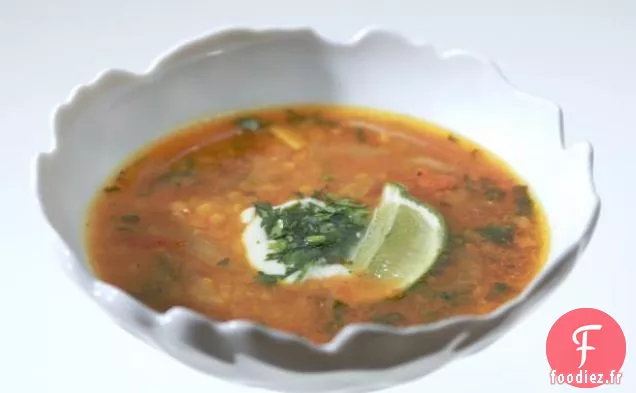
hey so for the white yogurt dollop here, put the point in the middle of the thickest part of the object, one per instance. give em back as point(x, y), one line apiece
point(256, 242)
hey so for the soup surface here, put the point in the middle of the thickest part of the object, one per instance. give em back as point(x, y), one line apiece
point(167, 228)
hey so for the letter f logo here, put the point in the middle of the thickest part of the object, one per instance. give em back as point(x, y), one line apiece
point(583, 344)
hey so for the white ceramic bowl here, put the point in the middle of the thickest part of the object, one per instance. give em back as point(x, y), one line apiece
point(105, 121)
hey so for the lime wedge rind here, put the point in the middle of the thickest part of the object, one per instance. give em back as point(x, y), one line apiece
point(404, 240)
point(379, 226)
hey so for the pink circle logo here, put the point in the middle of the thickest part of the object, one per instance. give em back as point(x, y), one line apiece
point(586, 349)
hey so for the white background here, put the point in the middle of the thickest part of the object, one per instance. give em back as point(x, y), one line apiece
point(581, 54)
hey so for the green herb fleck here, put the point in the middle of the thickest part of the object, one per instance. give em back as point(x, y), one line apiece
point(166, 267)
point(457, 240)
point(360, 135)
point(249, 124)
point(121, 175)
point(264, 209)
point(339, 310)
point(159, 280)
point(267, 279)
point(448, 296)
point(491, 191)
point(444, 259)
point(305, 235)
point(295, 118)
point(239, 144)
point(524, 203)
point(498, 289)
point(329, 177)
point(493, 194)
point(279, 245)
point(324, 122)
point(187, 165)
point(392, 318)
point(417, 286)
point(430, 316)
point(484, 186)
point(452, 138)
point(223, 262)
point(183, 169)
point(130, 218)
point(454, 297)
point(498, 234)
point(316, 240)
point(112, 189)
point(399, 295)
point(469, 183)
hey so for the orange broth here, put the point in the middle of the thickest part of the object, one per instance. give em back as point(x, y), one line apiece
point(167, 227)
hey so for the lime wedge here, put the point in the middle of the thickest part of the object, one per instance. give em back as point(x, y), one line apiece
point(403, 240)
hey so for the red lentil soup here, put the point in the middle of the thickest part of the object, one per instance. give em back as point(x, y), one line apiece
point(167, 227)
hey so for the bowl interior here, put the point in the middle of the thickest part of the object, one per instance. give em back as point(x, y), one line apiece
point(123, 112)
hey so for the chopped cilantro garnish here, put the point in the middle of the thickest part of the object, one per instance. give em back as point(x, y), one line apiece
point(308, 234)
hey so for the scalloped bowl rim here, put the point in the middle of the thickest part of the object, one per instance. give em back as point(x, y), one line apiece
point(95, 286)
